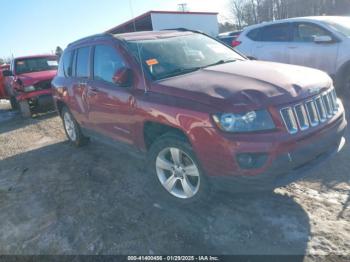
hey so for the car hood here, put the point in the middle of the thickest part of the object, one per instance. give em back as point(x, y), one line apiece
point(36, 77)
point(251, 84)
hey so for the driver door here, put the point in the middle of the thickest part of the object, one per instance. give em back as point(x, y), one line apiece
point(110, 105)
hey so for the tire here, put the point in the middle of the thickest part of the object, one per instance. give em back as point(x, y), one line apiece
point(343, 85)
point(171, 175)
point(13, 102)
point(72, 129)
point(24, 108)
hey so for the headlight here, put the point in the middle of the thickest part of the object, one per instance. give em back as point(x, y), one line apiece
point(29, 88)
point(247, 122)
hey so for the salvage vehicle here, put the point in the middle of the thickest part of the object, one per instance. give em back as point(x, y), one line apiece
point(3, 94)
point(203, 115)
point(320, 42)
point(28, 83)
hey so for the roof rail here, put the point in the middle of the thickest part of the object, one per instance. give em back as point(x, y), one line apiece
point(184, 30)
point(92, 37)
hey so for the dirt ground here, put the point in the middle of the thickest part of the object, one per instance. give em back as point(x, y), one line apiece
point(57, 199)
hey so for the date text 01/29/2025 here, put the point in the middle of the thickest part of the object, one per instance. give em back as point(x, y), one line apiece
point(173, 258)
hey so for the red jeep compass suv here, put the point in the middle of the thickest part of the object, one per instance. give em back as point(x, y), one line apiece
point(28, 83)
point(201, 111)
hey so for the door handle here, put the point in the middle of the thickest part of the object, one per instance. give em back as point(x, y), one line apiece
point(92, 91)
point(292, 47)
point(83, 82)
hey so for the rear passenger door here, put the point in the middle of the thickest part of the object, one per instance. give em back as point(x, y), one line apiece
point(110, 105)
point(80, 85)
point(273, 42)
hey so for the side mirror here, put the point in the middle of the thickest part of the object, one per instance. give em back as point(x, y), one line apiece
point(123, 77)
point(323, 39)
point(7, 73)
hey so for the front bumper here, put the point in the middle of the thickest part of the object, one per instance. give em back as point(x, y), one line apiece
point(33, 95)
point(284, 169)
point(39, 101)
point(290, 157)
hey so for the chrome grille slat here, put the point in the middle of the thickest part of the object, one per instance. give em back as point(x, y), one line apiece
point(301, 116)
point(289, 120)
point(327, 105)
point(320, 109)
point(310, 113)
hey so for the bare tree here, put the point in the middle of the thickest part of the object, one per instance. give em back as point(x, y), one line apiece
point(237, 11)
point(247, 12)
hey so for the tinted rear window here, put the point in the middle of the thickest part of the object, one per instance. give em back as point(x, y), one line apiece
point(65, 67)
point(254, 34)
point(82, 67)
point(276, 33)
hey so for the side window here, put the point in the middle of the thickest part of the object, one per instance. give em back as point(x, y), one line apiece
point(106, 63)
point(306, 32)
point(65, 67)
point(82, 62)
point(276, 33)
point(254, 34)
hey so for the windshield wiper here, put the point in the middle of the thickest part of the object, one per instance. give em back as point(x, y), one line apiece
point(220, 62)
point(180, 71)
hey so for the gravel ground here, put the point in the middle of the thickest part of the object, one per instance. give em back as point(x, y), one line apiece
point(56, 199)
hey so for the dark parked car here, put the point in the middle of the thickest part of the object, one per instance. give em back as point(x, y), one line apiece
point(203, 114)
point(229, 38)
point(28, 83)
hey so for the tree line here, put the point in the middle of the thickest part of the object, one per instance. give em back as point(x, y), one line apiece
point(248, 12)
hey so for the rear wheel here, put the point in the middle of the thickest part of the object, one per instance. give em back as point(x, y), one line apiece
point(13, 102)
point(72, 129)
point(24, 108)
point(176, 170)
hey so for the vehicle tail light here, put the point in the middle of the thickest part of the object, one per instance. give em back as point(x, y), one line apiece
point(236, 43)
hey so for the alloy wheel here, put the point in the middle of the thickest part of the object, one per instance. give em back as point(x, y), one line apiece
point(69, 126)
point(178, 173)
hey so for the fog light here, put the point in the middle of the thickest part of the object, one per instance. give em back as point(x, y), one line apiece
point(251, 160)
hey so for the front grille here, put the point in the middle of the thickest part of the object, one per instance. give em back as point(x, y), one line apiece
point(311, 112)
point(43, 85)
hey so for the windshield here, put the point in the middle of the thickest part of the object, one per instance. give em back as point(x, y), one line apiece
point(173, 56)
point(29, 65)
point(341, 25)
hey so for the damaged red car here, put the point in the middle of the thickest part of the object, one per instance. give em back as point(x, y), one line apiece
point(203, 115)
point(28, 83)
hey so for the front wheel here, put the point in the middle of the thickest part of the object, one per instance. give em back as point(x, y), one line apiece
point(177, 170)
point(72, 129)
point(24, 108)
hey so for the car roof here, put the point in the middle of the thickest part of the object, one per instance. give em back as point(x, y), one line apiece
point(151, 35)
point(134, 36)
point(296, 19)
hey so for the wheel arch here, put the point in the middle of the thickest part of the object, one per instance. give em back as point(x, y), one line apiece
point(59, 106)
point(342, 69)
point(152, 130)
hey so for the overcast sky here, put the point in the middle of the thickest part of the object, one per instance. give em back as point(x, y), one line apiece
point(38, 26)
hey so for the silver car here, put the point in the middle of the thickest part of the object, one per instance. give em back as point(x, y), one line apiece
point(321, 42)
